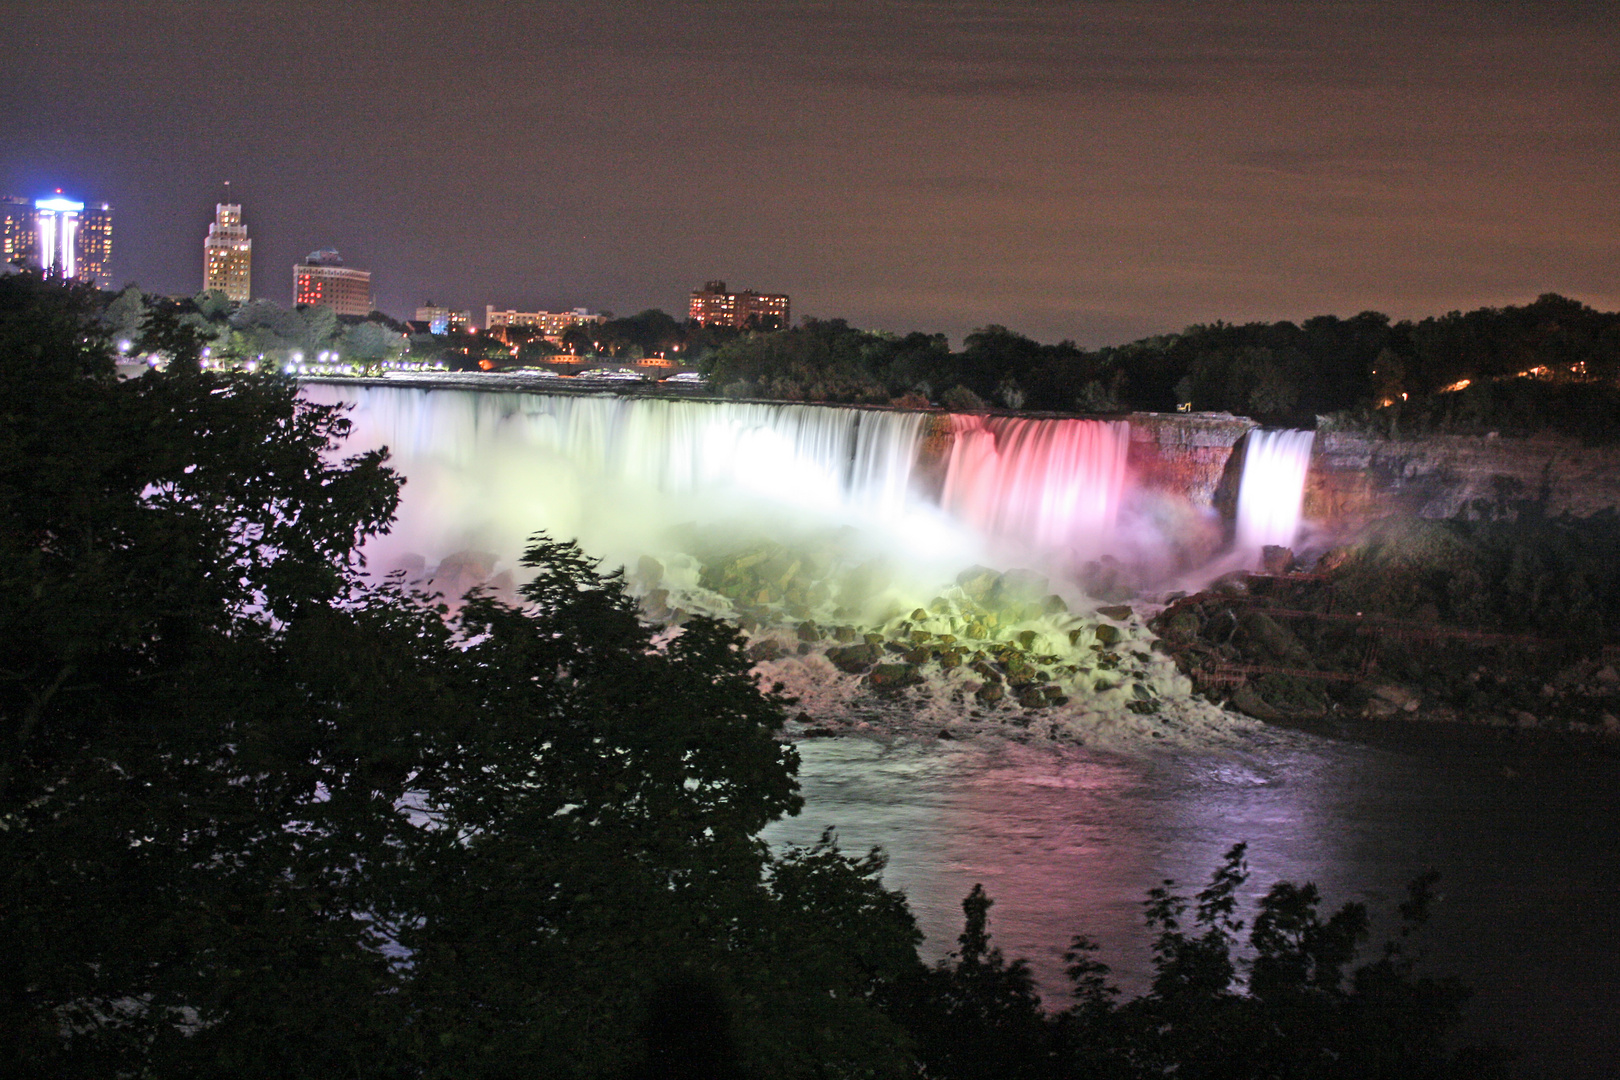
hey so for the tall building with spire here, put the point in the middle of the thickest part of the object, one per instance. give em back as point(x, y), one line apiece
point(228, 254)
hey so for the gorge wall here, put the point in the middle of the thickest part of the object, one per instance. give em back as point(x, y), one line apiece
point(1355, 478)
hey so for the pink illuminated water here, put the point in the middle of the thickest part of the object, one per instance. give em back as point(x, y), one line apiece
point(1052, 484)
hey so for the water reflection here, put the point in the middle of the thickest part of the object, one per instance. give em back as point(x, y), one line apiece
point(1067, 841)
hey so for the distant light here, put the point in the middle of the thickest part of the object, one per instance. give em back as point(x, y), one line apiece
point(59, 205)
point(124, 346)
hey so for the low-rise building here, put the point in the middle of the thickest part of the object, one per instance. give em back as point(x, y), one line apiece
point(550, 324)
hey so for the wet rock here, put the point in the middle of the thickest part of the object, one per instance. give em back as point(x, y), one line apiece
point(893, 676)
point(649, 571)
point(808, 631)
point(1275, 559)
point(854, 659)
point(843, 634)
point(1031, 697)
point(1246, 700)
point(1106, 634)
point(1182, 627)
point(1025, 639)
point(1054, 605)
point(1399, 697)
point(1106, 580)
point(1117, 612)
point(1020, 672)
point(990, 693)
point(979, 582)
point(764, 651)
point(920, 655)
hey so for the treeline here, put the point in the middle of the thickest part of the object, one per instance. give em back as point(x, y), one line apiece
point(262, 330)
point(1550, 364)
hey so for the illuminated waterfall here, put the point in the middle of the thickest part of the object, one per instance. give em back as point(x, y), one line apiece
point(485, 470)
point(1053, 484)
point(1272, 490)
point(630, 476)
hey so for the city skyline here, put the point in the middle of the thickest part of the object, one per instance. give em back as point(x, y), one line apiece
point(1096, 172)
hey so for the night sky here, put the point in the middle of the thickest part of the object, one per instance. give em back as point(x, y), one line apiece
point(1096, 171)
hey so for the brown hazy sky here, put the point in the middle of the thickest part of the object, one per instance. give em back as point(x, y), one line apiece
point(1096, 171)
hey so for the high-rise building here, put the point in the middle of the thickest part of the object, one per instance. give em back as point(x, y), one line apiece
point(712, 305)
point(323, 279)
point(228, 254)
point(19, 230)
point(59, 235)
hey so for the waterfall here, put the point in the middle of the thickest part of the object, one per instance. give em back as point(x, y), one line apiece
point(1272, 489)
point(486, 469)
point(626, 475)
point(1055, 485)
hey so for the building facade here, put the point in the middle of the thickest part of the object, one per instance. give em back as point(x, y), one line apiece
point(228, 254)
point(550, 324)
point(59, 235)
point(442, 320)
point(19, 231)
point(712, 305)
point(323, 279)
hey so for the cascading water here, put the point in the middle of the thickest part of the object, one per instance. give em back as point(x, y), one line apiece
point(1272, 490)
point(1055, 485)
point(802, 524)
point(488, 469)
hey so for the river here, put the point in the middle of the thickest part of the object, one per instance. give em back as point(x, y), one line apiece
point(1067, 840)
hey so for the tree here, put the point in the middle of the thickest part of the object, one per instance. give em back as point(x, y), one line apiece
point(262, 818)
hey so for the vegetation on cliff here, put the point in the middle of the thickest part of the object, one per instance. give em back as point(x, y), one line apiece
point(1509, 622)
point(1549, 365)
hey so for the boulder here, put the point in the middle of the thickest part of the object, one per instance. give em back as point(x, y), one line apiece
point(1275, 559)
point(893, 676)
point(854, 659)
point(979, 582)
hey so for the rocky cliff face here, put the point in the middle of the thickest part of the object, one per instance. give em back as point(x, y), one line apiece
point(1355, 479)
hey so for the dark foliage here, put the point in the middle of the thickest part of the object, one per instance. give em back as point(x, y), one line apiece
point(1289, 1005)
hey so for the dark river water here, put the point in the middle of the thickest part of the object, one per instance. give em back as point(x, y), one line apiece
point(1523, 832)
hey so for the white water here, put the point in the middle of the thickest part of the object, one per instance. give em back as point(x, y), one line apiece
point(824, 496)
point(1272, 491)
